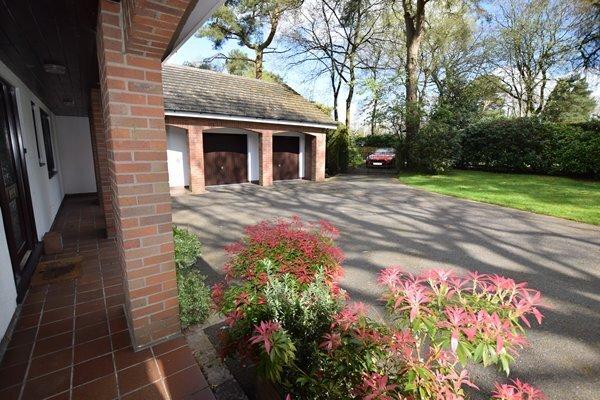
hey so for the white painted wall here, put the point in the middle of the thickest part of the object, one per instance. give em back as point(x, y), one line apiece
point(178, 157)
point(8, 292)
point(75, 152)
point(253, 161)
point(46, 194)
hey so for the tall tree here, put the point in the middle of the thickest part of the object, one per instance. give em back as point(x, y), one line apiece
point(414, 22)
point(533, 40)
point(570, 101)
point(253, 23)
point(329, 38)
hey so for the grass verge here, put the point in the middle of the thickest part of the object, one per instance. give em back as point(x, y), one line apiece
point(574, 199)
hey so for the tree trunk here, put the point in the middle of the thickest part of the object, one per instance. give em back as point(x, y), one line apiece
point(413, 117)
point(350, 95)
point(258, 64)
point(374, 115)
point(414, 22)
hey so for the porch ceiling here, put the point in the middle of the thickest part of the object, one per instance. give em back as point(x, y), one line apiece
point(34, 33)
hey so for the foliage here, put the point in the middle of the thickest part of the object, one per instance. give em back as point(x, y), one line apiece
point(550, 195)
point(194, 295)
point(570, 101)
point(294, 321)
point(187, 248)
point(284, 294)
point(436, 148)
point(383, 140)
point(532, 40)
point(238, 63)
point(531, 145)
point(252, 23)
point(337, 152)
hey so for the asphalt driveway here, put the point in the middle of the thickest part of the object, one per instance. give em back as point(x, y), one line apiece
point(383, 222)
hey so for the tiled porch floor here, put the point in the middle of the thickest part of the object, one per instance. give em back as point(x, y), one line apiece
point(71, 339)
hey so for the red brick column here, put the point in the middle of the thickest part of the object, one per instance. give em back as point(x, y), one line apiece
point(265, 158)
point(318, 158)
point(196, 154)
point(100, 154)
point(134, 125)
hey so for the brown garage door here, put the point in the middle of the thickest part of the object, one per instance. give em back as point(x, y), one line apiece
point(286, 151)
point(225, 158)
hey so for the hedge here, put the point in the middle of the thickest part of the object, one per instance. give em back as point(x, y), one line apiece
point(531, 145)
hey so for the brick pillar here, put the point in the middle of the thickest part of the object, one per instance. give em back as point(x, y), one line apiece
point(100, 154)
point(265, 157)
point(196, 154)
point(134, 124)
point(318, 158)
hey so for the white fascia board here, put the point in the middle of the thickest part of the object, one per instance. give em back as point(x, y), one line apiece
point(248, 119)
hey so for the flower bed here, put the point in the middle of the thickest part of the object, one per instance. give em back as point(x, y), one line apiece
point(286, 312)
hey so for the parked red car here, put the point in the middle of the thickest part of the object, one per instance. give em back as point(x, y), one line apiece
point(381, 158)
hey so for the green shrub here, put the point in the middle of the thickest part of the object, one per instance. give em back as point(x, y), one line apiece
point(337, 152)
point(187, 247)
point(436, 148)
point(385, 140)
point(530, 145)
point(194, 295)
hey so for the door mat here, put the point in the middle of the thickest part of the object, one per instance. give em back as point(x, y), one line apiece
point(64, 269)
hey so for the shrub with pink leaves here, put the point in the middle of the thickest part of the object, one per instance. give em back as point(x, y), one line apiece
point(285, 311)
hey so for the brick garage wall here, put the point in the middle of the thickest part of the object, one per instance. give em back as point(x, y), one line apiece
point(100, 153)
point(134, 125)
point(195, 127)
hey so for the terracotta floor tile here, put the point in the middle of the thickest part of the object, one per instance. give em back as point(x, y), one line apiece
point(101, 389)
point(91, 332)
point(89, 296)
point(93, 318)
point(47, 385)
point(154, 391)
point(12, 375)
point(55, 328)
point(125, 358)
point(89, 306)
point(16, 355)
point(53, 344)
point(61, 396)
point(175, 361)
point(23, 337)
point(138, 376)
point(53, 302)
point(11, 393)
point(115, 311)
point(186, 383)
point(116, 300)
point(57, 314)
point(92, 369)
point(31, 309)
point(117, 324)
point(49, 363)
point(27, 321)
point(169, 345)
point(120, 340)
point(95, 348)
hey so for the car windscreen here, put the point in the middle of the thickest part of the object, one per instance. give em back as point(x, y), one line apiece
point(385, 151)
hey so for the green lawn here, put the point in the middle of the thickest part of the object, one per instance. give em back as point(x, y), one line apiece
point(574, 199)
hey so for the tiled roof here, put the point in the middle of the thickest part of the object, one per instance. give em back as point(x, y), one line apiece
point(188, 89)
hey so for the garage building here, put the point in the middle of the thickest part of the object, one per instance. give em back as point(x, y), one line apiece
point(224, 129)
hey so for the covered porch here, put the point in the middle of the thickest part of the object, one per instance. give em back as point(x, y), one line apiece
point(83, 153)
